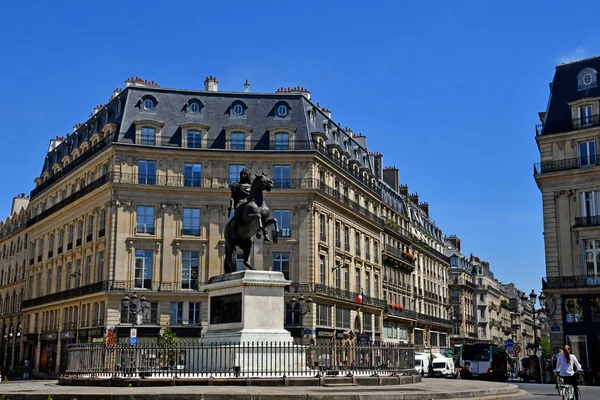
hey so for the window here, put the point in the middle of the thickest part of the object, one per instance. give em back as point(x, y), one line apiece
point(281, 111)
point(454, 261)
point(71, 234)
point(194, 139)
point(357, 243)
point(574, 310)
point(100, 271)
point(367, 248)
point(61, 240)
point(342, 318)
point(234, 172)
point(191, 222)
point(191, 174)
point(322, 228)
point(102, 223)
point(585, 115)
point(176, 314)
point(79, 232)
point(67, 278)
point(347, 278)
point(90, 228)
point(322, 270)
point(189, 269)
point(77, 273)
point(367, 283)
point(368, 322)
point(194, 314)
point(143, 269)
point(148, 136)
point(337, 275)
point(587, 79)
point(377, 324)
point(590, 204)
point(145, 220)
point(148, 104)
point(281, 176)
point(238, 109)
point(238, 141)
point(587, 153)
point(146, 172)
point(324, 315)
point(49, 282)
point(88, 269)
point(281, 263)
point(357, 279)
point(194, 108)
point(283, 219)
point(376, 288)
point(151, 315)
point(58, 279)
point(282, 141)
point(292, 314)
point(39, 284)
point(346, 238)
point(338, 242)
point(592, 258)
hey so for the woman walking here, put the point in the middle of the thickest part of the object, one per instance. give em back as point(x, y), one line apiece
point(566, 366)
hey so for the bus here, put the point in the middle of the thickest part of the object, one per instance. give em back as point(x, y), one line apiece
point(483, 361)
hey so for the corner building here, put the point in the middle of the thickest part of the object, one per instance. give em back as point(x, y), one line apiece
point(568, 179)
point(134, 200)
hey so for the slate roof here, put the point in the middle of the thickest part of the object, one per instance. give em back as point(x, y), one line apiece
point(172, 110)
point(564, 89)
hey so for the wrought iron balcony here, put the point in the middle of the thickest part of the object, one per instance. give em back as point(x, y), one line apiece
point(567, 125)
point(570, 282)
point(190, 231)
point(566, 164)
point(592, 220)
point(397, 254)
point(329, 291)
point(145, 229)
point(67, 294)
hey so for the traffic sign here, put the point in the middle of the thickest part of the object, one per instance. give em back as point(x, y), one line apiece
point(516, 349)
point(133, 333)
point(132, 341)
point(509, 343)
point(510, 351)
point(538, 353)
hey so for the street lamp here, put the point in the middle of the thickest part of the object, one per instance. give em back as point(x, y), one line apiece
point(300, 303)
point(127, 303)
point(530, 302)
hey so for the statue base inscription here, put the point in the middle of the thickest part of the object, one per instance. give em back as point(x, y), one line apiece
point(246, 306)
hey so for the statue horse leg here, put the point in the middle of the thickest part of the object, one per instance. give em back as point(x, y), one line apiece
point(252, 216)
point(272, 221)
point(246, 246)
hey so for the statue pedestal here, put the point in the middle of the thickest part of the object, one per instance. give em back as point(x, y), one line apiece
point(245, 334)
point(246, 306)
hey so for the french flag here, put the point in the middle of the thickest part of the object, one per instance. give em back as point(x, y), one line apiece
point(359, 298)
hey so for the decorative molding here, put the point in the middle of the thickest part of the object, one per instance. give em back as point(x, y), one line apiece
point(572, 144)
point(560, 144)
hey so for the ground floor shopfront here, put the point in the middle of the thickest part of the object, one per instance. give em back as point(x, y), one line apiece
point(11, 333)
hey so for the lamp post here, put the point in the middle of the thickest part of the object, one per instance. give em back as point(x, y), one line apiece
point(530, 303)
point(132, 309)
point(300, 303)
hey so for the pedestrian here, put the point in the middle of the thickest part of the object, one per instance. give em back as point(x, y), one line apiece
point(26, 369)
point(567, 365)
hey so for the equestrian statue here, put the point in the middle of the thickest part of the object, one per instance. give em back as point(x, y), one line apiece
point(251, 218)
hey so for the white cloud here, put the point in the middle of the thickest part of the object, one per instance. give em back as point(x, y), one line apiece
point(574, 55)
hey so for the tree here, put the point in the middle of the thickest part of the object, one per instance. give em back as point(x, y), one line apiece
point(167, 343)
point(545, 347)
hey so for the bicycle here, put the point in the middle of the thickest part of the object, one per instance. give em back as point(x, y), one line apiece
point(566, 391)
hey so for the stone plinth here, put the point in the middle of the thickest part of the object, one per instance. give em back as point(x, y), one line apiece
point(246, 306)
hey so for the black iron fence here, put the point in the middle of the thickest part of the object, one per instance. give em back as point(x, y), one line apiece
point(567, 125)
point(334, 292)
point(566, 164)
point(252, 359)
point(571, 282)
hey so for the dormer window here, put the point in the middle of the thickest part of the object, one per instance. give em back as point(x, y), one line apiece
point(587, 79)
point(148, 104)
point(194, 108)
point(238, 109)
point(282, 110)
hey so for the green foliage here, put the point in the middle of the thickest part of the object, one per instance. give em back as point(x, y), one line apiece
point(49, 397)
point(167, 341)
point(130, 385)
point(545, 346)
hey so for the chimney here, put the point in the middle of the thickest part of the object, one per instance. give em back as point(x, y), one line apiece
point(391, 176)
point(455, 241)
point(542, 116)
point(403, 189)
point(377, 159)
point(211, 84)
point(425, 207)
point(327, 112)
point(246, 86)
point(360, 139)
point(116, 92)
point(96, 109)
point(414, 197)
point(19, 202)
point(304, 92)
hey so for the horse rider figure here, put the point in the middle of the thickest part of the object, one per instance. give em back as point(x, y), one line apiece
point(239, 196)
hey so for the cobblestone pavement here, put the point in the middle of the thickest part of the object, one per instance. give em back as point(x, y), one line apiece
point(428, 389)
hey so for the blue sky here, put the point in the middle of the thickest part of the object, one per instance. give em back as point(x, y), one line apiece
point(448, 91)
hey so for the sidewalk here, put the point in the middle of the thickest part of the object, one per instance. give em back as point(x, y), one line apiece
point(429, 389)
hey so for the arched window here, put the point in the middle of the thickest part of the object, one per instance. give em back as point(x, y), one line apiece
point(194, 108)
point(148, 104)
point(238, 109)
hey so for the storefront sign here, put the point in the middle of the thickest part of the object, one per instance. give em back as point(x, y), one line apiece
point(95, 333)
point(32, 337)
point(555, 328)
point(48, 337)
point(321, 333)
point(67, 335)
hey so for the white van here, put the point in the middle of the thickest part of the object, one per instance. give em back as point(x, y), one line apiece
point(443, 367)
point(422, 363)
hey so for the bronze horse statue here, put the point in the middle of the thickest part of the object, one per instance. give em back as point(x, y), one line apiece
point(251, 219)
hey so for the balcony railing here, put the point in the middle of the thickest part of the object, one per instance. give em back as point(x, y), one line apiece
point(571, 282)
point(329, 291)
point(398, 254)
point(566, 164)
point(567, 125)
point(85, 156)
point(592, 220)
point(67, 294)
point(190, 231)
point(145, 229)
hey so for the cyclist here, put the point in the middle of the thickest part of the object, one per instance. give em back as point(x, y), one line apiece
point(565, 367)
